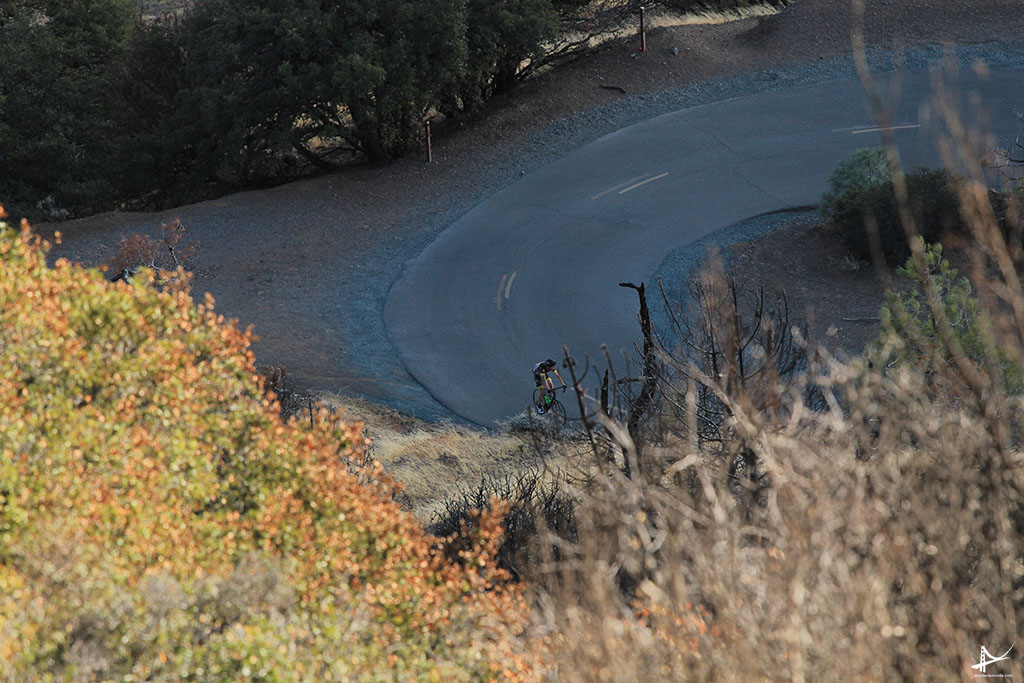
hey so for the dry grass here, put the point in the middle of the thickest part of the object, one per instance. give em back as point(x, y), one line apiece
point(665, 17)
point(895, 566)
point(435, 461)
point(661, 17)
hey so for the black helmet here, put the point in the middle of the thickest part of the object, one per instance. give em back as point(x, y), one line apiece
point(550, 363)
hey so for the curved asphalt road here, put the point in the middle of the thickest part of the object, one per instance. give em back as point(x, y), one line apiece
point(538, 265)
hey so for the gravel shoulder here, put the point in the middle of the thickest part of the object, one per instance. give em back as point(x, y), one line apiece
point(309, 264)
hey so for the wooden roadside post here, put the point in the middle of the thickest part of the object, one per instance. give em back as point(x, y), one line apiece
point(430, 154)
point(643, 30)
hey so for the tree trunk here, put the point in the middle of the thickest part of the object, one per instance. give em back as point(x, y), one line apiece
point(313, 158)
point(645, 400)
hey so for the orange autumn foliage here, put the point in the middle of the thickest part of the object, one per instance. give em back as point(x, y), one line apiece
point(158, 518)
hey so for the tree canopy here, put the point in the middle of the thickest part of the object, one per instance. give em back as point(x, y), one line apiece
point(99, 107)
point(57, 104)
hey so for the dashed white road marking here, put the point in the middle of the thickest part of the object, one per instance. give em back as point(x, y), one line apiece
point(612, 189)
point(859, 130)
point(880, 129)
point(501, 286)
point(643, 182)
point(505, 286)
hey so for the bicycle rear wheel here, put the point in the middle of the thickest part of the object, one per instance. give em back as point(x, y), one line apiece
point(536, 397)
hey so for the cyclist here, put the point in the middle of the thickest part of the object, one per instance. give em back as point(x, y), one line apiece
point(544, 382)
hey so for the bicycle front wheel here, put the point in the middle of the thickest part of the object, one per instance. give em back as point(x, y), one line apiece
point(557, 412)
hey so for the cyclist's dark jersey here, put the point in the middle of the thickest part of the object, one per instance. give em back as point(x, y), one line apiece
point(540, 371)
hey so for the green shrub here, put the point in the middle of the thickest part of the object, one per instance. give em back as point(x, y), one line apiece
point(864, 169)
point(861, 203)
point(909, 333)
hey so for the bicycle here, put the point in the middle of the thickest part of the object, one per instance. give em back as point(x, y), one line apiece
point(553, 408)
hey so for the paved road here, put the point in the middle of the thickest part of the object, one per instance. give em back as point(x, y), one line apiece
point(537, 265)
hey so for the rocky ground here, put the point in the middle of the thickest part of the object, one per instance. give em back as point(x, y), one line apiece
point(308, 264)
